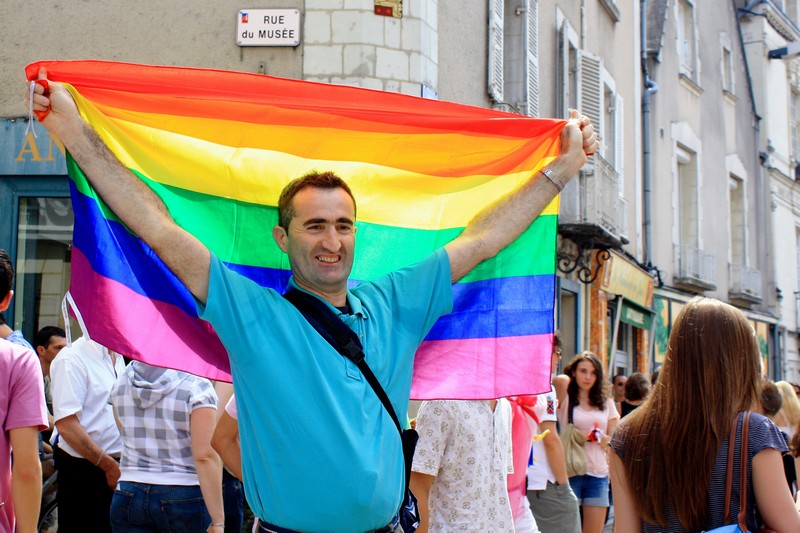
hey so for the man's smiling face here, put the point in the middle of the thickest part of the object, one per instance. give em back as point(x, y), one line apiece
point(320, 241)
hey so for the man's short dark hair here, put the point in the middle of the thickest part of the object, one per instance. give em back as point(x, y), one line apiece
point(637, 387)
point(43, 336)
point(770, 398)
point(6, 274)
point(319, 180)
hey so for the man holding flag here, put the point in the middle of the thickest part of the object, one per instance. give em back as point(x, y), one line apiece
point(334, 461)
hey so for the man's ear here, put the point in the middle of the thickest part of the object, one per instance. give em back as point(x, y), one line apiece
point(6, 301)
point(281, 238)
point(40, 350)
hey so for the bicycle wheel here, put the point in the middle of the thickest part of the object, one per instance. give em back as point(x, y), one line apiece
point(48, 518)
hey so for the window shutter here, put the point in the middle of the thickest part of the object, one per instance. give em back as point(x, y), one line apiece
point(496, 50)
point(590, 97)
point(619, 141)
point(590, 90)
point(533, 59)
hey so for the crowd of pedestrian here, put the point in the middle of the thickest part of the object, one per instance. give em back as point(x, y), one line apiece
point(312, 436)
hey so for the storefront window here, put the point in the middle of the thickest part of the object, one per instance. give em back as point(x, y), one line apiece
point(44, 242)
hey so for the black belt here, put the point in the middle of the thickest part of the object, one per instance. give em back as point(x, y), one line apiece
point(266, 527)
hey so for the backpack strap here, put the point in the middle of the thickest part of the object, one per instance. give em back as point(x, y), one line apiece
point(341, 337)
point(743, 460)
point(726, 516)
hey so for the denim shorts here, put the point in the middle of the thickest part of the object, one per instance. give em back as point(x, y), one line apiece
point(590, 490)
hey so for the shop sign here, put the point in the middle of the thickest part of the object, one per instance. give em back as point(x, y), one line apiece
point(624, 278)
point(23, 153)
point(635, 315)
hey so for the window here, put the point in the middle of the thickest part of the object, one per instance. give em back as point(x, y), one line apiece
point(568, 68)
point(513, 56)
point(496, 80)
point(687, 191)
point(727, 70)
point(736, 221)
point(687, 39)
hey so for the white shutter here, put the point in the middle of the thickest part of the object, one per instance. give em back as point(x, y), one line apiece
point(496, 50)
point(619, 142)
point(533, 59)
point(591, 95)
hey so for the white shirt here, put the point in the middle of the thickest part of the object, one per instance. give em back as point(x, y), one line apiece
point(539, 471)
point(82, 377)
point(467, 447)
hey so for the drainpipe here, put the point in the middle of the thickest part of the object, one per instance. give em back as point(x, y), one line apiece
point(762, 225)
point(650, 88)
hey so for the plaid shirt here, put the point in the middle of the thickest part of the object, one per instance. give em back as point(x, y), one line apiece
point(154, 407)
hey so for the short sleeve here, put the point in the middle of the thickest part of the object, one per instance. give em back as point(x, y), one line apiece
point(69, 386)
point(545, 408)
point(26, 407)
point(203, 394)
point(434, 424)
point(764, 434)
point(235, 304)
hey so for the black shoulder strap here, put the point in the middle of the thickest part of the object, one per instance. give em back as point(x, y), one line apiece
point(341, 337)
point(570, 407)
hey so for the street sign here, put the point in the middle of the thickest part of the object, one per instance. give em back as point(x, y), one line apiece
point(268, 27)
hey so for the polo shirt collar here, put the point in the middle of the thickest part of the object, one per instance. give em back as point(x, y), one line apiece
point(352, 300)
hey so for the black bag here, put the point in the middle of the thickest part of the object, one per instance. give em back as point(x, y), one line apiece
point(346, 342)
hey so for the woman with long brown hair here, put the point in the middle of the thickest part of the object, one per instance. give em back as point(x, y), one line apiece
point(584, 398)
point(670, 455)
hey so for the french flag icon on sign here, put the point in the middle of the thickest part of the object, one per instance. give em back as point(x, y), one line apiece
point(245, 17)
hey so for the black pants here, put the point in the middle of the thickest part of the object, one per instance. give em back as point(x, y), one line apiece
point(84, 499)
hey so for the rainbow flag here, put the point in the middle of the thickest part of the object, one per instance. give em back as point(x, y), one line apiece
point(218, 147)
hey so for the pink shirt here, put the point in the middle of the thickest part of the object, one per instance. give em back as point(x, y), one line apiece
point(585, 420)
point(21, 405)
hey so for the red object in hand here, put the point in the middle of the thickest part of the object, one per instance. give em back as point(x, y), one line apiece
point(594, 434)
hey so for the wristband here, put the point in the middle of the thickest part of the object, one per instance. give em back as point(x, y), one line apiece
point(100, 459)
point(550, 175)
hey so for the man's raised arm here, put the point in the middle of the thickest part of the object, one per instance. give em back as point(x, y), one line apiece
point(138, 207)
point(500, 223)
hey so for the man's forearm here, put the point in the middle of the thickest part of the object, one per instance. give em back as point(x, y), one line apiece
point(133, 201)
point(500, 223)
point(71, 430)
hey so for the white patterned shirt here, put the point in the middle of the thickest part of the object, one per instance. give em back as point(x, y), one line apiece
point(154, 406)
point(467, 448)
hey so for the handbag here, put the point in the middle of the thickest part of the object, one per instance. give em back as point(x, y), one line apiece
point(346, 342)
point(573, 440)
point(740, 526)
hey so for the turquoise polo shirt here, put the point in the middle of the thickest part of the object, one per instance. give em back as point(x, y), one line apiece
point(319, 451)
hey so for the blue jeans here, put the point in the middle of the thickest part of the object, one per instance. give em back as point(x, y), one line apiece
point(233, 499)
point(141, 507)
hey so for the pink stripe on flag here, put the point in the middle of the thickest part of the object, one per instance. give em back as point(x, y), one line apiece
point(475, 369)
point(139, 327)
